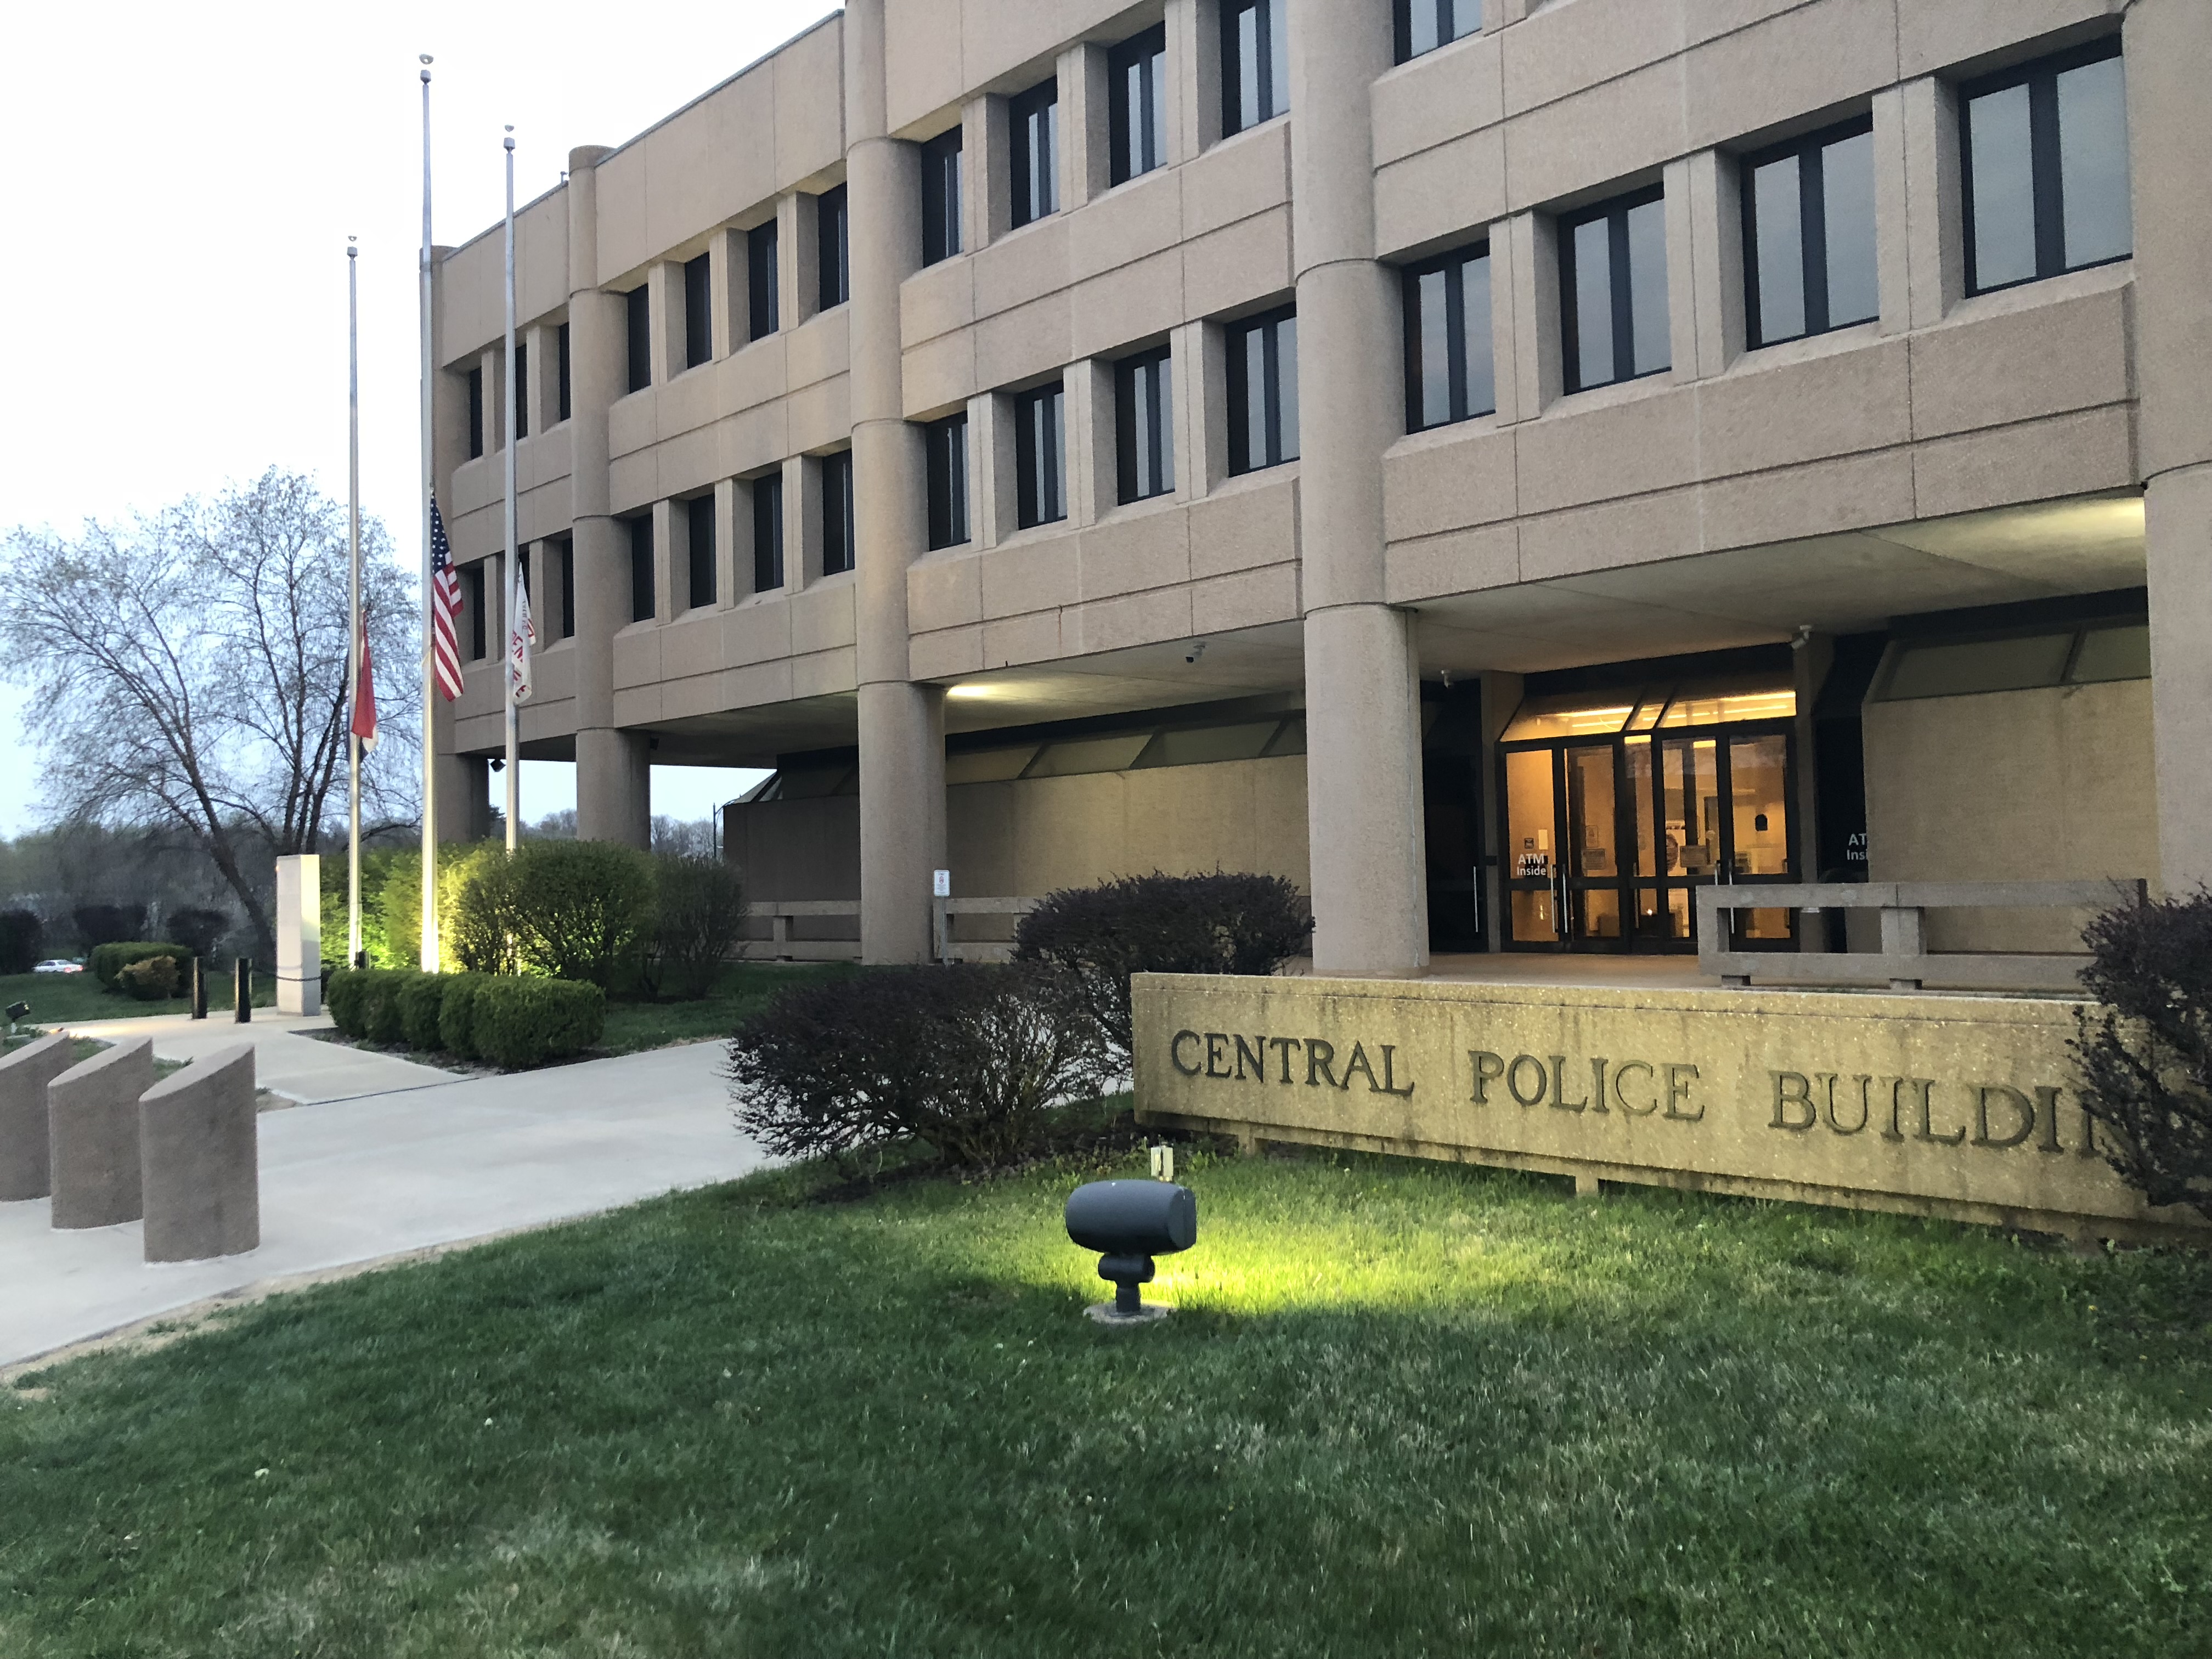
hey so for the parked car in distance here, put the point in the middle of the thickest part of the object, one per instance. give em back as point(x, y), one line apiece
point(57, 965)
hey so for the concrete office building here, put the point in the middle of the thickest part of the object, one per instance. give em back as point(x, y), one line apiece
point(1502, 464)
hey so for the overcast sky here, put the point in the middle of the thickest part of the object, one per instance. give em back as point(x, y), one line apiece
point(182, 181)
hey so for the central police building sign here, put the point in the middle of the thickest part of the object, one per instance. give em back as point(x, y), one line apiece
point(1955, 1106)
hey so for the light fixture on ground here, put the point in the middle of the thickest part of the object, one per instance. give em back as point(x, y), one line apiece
point(1129, 1222)
point(18, 1011)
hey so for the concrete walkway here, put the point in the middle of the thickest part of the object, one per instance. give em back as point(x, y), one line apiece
point(368, 1178)
point(287, 1062)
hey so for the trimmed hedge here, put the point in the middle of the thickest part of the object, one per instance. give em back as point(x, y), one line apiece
point(510, 1022)
point(150, 979)
point(107, 961)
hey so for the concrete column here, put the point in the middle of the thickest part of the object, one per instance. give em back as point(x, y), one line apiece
point(613, 800)
point(92, 1128)
point(26, 1169)
point(902, 725)
point(199, 1160)
point(2169, 56)
point(1935, 237)
point(464, 796)
point(1362, 721)
point(300, 934)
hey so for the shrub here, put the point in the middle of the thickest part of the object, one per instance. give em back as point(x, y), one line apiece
point(527, 1022)
point(420, 1000)
point(475, 919)
point(2146, 1058)
point(110, 960)
point(579, 907)
point(1162, 924)
point(23, 941)
point(969, 1059)
point(385, 1006)
point(150, 979)
point(699, 915)
point(105, 924)
point(457, 1014)
point(198, 930)
point(346, 998)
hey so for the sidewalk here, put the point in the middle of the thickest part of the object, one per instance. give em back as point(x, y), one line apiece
point(299, 1068)
point(368, 1178)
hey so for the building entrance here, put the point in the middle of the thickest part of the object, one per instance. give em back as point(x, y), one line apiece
point(1614, 814)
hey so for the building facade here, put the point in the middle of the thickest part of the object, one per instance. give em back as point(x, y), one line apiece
point(1502, 464)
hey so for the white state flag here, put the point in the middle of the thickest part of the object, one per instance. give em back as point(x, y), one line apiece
point(522, 636)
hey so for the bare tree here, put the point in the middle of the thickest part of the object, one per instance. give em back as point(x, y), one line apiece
point(189, 667)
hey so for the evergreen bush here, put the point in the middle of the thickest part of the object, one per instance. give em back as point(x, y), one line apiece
point(199, 931)
point(150, 979)
point(346, 996)
point(381, 1016)
point(457, 1013)
point(2145, 1059)
point(108, 961)
point(520, 1022)
point(420, 1000)
point(106, 924)
point(23, 941)
point(969, 1058)
point(1162, 924)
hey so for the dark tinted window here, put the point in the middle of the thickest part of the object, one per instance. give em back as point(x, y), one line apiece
point(833, 249)
point(641, 567)
point(1137, 76)
point(1040, 456)
point(564, 568)
point(1263, 391)
point(1034, 153)
point(475, 379)
point(1448, 369)
point(1143, 426)
point(768, 533)
point(472, 609)
point(837, 538)
point(940, 197)
point(638, 317)
point(761, 280)
point(1255, 62)
point(521, 389)
point(561, 336)
point(1425, 24)
point(698, 312)
point(1808, 236)
point(1612, 291)
point(945, 445)
point(700, 514)
point(2044, 149)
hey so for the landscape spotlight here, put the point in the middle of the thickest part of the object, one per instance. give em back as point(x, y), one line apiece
point(18, 1011)
point(1129, 1222)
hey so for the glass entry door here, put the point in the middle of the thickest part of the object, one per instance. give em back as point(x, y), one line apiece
point(1565, 876)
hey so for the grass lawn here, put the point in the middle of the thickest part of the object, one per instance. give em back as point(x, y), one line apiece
point(1405, 1409)
point(743, 987)
point(66, 998)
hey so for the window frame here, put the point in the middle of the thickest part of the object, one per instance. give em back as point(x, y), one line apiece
point(763, 301)
point(698, 545)
point(1401, 22)
point(1275, 447)
point(1812, 229)
point(945, 483)
point(1615, 209)
point(1271, 18)
point(1459, 397)
point(833, 250)
point(839, 536)
point(1032, 496)
point(1155, 443)
point(1029, 196)
point(698, 311)
point(2041, 77)
point(1142, 57)
point(767, 493)
point(637, 337)
point(644, 590)
point(944, 191)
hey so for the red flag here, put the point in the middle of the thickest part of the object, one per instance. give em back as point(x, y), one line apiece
point(364, 696)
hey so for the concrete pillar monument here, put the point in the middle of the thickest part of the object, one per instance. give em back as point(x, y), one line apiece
point(26, 1169)
point(1363, 692)
point(300, 934)
point(92, 1126)
point(199, 1160)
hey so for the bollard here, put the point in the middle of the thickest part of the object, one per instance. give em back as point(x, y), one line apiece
point(92, 1128)
point(199, 1160)
point(25, 1163)
point(244, 1003)
point(199, 988)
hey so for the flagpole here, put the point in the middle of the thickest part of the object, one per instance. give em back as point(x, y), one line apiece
point(430, 950)
point(514, 642)
point(353, 604)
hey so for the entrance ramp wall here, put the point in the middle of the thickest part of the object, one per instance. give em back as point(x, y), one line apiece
point(1958, 1106)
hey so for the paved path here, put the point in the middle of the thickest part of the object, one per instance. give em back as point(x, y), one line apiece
point(362, 1179)
point(287, 1062)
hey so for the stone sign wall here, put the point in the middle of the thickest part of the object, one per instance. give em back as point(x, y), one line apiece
point(1953, 1106)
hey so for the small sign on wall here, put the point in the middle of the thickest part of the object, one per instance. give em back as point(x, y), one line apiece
point(940, 883)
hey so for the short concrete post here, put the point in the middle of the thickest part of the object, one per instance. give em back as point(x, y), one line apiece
point(92, 1122)
point(300, 934)
point(1903, 933)
point(26, 1169)
point(199, 1152)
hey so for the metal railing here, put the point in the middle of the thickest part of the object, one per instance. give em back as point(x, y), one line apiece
point(1903, 959)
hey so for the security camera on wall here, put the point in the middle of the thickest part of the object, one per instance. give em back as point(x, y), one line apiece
point(1197, 650)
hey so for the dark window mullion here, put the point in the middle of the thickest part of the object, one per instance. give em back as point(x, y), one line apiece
point(1812, 212)
point(1270, 378)
point(1455, 338)
point(2047, 172)
point(1623, 296)
point(1263, 78)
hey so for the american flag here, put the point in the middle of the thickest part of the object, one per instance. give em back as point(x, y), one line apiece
point(444, 606)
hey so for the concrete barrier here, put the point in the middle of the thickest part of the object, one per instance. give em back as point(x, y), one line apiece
point(198, 1139)
point(25, 1166)
point(92, 1124)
